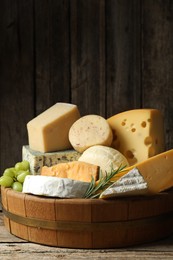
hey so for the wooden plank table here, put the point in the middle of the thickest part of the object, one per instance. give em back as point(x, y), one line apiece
point(15, 248)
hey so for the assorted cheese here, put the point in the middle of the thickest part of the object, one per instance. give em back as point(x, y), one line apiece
point(38, 159)
point(48, 131)
point(54, 187)
point(90, 130)
point(107, 158)
point(138, 134)
point(67, 151)
point(76, 170)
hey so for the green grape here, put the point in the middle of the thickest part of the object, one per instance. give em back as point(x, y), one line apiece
point(22, 175)
point(6, 181)
point(26, 165)
point(22, 166)
point(17, 186)
point(9, 172)
point(18, 173)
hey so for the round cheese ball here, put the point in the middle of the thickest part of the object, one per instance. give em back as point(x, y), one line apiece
point(105, 157)
point(90, 130)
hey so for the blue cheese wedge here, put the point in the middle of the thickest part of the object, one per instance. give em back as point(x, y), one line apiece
point(54, 186)
point(38, 159)
point(131, 184)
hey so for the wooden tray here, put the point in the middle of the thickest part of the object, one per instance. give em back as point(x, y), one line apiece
point(86, 223)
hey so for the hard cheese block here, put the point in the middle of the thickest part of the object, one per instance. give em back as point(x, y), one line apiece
point(90, 130)
point(38, 159)
point(81, 171)
point(54, 187)
point(107, 158)
point(138, 134)
point(157, 171)
point(48, 131)
point(131, 184)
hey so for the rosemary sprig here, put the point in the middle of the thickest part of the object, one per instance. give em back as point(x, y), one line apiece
point(95, 189)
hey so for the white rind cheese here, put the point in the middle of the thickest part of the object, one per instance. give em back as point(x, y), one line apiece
point(54, 186)
point(131, 184)
point(105, 157)
point(38, 159)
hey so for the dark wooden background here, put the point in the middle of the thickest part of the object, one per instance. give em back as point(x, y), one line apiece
point(106, 56)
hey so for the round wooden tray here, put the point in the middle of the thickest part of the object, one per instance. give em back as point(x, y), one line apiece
point(88, 223)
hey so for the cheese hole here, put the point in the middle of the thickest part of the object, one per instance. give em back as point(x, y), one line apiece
point(151, 152)
point(143, 124)
point(148, 140)
point(129, 154)
point(133, 129)
point(149, 120)
point(123, 123)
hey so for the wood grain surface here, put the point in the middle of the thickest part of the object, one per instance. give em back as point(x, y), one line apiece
point(104, 56)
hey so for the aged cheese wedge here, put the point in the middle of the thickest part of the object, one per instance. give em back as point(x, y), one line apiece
point(157, 171)
point(90, 130)
point(131, 184)
point(49, 131)
point(138, 134)
point(54, 187)
point(75, 170)
point(38, 159)
point(105, 157)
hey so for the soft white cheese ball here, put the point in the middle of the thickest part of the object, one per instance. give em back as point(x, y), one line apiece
point(105, 157)
point(90, 130)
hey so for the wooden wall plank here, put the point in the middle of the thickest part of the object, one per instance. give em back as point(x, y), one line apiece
point(157, 58)
point(16, 78)
point(123, 55)
point(88, 55)
point(52, 57)
point(104, 56)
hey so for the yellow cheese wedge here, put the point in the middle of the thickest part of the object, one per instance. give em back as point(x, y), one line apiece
point(90, 130)
point(75, 170)
point(48, 131)
point(157, 171)
point(138, 134)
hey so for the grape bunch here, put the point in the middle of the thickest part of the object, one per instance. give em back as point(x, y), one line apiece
point(14, 177)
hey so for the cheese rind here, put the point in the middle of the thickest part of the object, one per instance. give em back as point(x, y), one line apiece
point(105, 157)
point(48, 131)
point(75, 170)
point(38, 159)
point(54, 187)
point(90, 130)
point(131, 184)
point(138, 134)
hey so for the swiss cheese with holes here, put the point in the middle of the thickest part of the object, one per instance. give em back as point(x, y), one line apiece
point(138, 134)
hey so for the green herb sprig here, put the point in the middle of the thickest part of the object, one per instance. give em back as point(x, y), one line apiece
point(104, 182)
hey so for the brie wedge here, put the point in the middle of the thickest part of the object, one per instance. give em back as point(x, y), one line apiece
point(54, 186)
point(131, 184)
